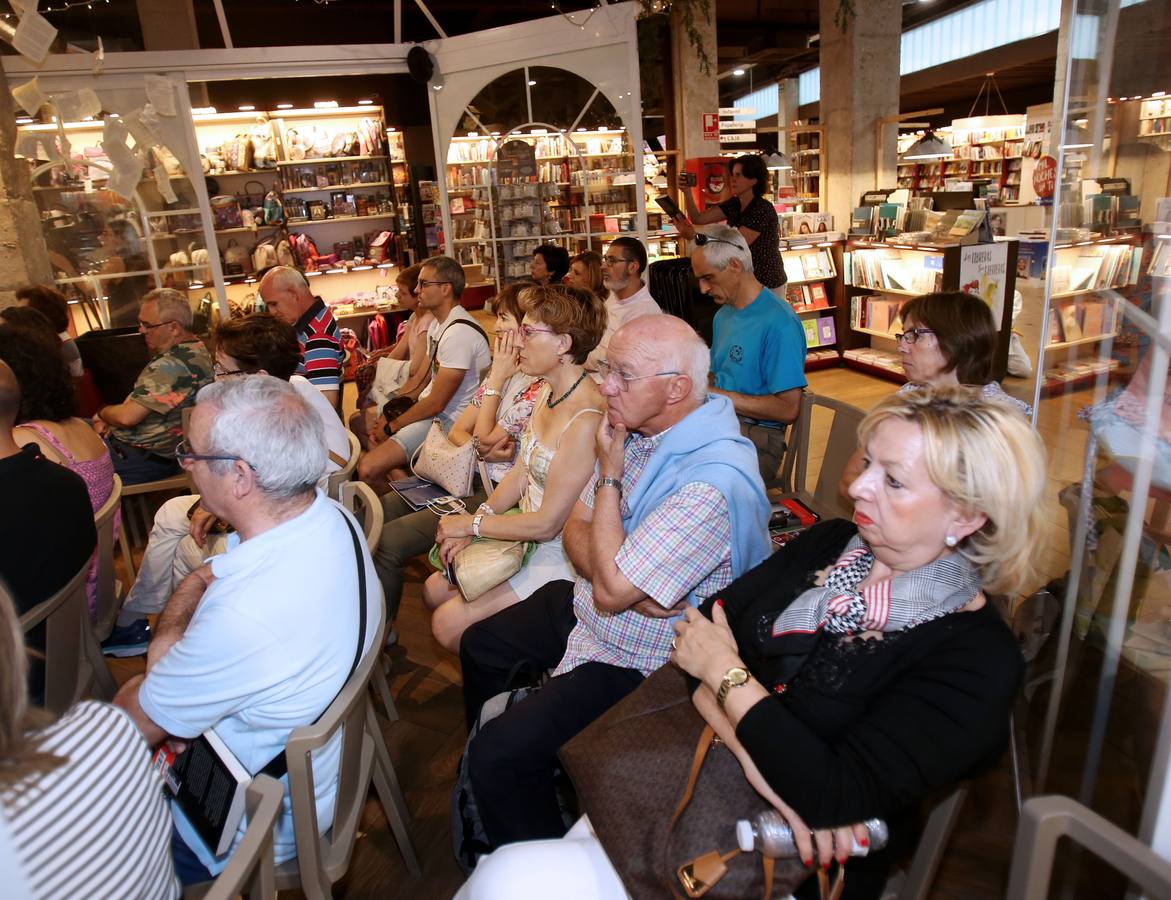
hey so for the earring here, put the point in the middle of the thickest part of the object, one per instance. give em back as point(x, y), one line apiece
point(951, 540)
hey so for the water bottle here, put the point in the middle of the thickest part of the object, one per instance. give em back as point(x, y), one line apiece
point(771, 835)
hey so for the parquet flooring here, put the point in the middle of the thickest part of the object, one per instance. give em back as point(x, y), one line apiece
point(426, 741)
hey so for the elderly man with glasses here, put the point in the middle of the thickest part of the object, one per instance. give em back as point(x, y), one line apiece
point(623, 267)
point(758, 344)
point(260, 640)
point(143, 430)
point(459, 354)
point(675, 512)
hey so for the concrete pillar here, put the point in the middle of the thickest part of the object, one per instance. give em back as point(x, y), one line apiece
point(695, 93)
point(787, 107)
point(23, 257)
point(859, 86)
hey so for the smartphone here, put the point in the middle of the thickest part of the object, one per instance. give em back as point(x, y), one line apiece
point(669, 206)
point(449, 572)
point(688, 179)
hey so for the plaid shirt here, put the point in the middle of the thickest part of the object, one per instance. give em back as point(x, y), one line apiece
point(684, 545)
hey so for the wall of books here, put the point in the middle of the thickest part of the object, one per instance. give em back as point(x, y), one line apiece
point(511, 193)
point(813, 289)
point(987, 150)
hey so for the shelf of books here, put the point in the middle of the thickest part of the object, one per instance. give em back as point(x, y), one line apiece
point(880, 277)
point(1086, 279)
point(807, 153)
point(573, 189)
point(990, 150)
point(1154, 121)
point(814, 288)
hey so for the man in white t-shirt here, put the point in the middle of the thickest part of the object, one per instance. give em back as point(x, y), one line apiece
point(459, 355)
point(623, 268)
point(260, 640)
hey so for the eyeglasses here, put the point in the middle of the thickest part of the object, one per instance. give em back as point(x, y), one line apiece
point(185, 456)
point(528, 331)
point(625, 378)
point(614, 260)
point(912, 335)
point(220, 372)
point(147, 326)
point(701, 239)
point(423, 282)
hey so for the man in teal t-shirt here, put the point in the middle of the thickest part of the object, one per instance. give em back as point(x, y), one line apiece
point(758, 345)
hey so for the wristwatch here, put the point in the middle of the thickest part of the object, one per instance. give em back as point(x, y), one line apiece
point(476, 520)
point(607, 481)
point(734, 677)
point(492, 392)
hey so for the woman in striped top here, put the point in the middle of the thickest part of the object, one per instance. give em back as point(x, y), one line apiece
point(85, 812)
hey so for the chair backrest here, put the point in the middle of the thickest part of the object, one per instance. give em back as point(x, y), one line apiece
point(323, 858)
point(107, 606)
point(250, 869)
point(65, 668)
point(840, 444)
point(344, 474)
point(1045, 820)
point(360, 499)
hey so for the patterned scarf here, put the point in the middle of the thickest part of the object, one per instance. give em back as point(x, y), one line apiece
point(931, 591)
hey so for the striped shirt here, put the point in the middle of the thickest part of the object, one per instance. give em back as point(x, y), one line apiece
point(98, 825)
point(684, 545)
point(321, 347)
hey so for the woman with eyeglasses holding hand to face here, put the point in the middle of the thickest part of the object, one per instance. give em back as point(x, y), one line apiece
point(561, 326)
point(948, 339)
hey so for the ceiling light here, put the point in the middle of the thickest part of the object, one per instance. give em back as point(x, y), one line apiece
point(928, 147)
point(531, 82)
point(365, 102)
point(204, 111)
point(284, 106)
point(246, 108)
point(777, 161)
point(24, 120)
point(325, 104)
point(737, 71)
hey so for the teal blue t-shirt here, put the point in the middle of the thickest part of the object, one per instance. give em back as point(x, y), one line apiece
point(760, 349)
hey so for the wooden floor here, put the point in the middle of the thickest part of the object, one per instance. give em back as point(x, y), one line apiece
point(428, 738)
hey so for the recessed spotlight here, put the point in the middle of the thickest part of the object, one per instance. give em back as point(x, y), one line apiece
point(390, 131)
point(531, 82)
point(365, 102)
point(737, 71)
point(246, 108)
point(325, 104)
point(284, 106)
point(24, 120)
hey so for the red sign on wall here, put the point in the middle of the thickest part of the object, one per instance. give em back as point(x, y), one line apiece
point(711, 127)
point(1045, 177)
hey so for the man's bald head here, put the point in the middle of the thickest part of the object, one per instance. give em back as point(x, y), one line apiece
point(672, 344)
point(9, 397)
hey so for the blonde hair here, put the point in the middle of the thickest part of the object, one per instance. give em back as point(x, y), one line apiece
point(19, 756)
point(985, 458)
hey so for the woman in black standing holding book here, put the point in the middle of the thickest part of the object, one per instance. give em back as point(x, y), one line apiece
point(748, 211)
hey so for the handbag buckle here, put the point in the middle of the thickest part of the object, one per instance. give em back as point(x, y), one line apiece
point(701, 874)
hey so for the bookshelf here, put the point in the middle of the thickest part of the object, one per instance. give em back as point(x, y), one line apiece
point(1085, 280)
point(1154, 121)
point(814, 290)
point(880, 277)
point(990, 152)
point(807, 154)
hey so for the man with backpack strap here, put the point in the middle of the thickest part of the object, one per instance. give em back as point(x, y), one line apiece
point(458, 350)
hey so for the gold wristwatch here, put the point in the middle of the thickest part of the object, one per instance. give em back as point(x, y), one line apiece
point(734, 677)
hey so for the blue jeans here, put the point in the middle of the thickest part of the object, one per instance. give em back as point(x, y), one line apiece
point(137, 466)
point(187, 865)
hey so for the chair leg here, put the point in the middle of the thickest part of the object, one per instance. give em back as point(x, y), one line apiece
point(124, 541)
point(390, 795)
point(932, 845)
point(104, 686)
point(381, 687)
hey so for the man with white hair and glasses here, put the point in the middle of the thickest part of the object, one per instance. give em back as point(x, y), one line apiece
point(758, 345)
point(260, 640)
point(143, 430)
point(675, 512)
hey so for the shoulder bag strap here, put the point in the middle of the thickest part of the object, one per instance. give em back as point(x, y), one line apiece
point(278, 766)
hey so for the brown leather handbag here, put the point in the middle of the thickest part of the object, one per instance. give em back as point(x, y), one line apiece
point(669, 833)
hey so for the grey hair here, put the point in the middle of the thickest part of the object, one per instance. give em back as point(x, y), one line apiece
point(173, 306)
point(287, 278)
point(447, 269)
point(720, 254)
point(265, 422)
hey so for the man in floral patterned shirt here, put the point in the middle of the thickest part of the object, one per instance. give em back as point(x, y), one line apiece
point(143, 431)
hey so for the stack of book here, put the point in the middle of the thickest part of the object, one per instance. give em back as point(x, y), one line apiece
point(804, 297)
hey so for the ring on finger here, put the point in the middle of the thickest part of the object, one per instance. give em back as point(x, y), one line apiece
point(675, 643)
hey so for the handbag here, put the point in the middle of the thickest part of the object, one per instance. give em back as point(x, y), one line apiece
point(628, 769)
point(486, 562)
point(443, 463)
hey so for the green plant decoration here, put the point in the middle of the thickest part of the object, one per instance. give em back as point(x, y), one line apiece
point(845, 13)
point(688, 10)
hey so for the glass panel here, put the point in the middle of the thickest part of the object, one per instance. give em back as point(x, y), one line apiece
point(1093, 316)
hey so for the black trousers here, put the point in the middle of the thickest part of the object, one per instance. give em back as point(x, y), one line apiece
point(511, 761)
